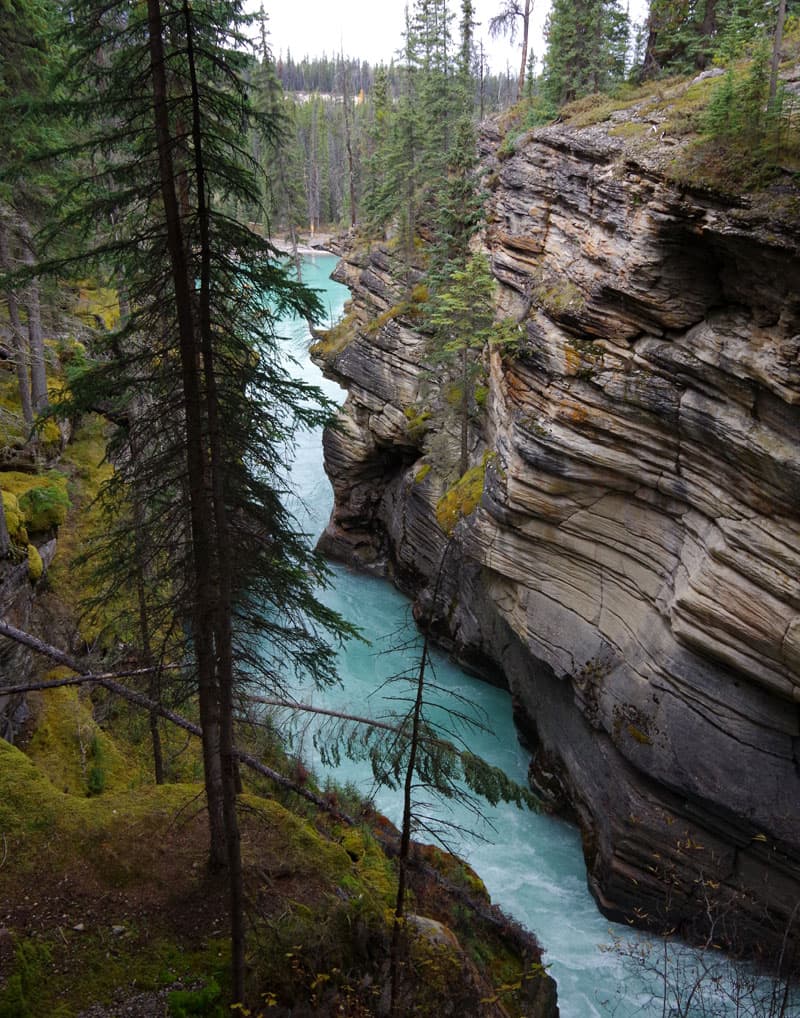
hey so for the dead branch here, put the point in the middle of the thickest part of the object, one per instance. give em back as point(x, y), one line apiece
point(311, 709)
point(109, 683)
point(79, 680)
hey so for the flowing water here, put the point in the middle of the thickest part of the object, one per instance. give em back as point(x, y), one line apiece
point(532, 865)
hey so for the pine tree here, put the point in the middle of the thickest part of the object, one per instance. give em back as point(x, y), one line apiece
point(26, 63)
point(204, 295)
point(462, 315)
point(586, 48)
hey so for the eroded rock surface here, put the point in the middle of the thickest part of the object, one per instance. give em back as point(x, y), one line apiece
point(633, 570)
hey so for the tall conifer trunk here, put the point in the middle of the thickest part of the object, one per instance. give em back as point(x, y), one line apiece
point(224, 552)
point(21, 357)
point(201, 511)
point(526, 20)
point(35, 336)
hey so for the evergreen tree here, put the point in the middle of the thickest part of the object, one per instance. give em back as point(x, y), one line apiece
point(462, 316)
point(586, 48)
point(26, 63)
point(204, 294)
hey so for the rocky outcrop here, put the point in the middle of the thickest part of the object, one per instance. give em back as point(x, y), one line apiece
point(633, 569)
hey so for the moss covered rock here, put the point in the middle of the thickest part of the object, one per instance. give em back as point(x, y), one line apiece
point(15, 518)
point(41, 498)
point(35, 564)
point(462, 499)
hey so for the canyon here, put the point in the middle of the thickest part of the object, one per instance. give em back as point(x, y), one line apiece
point(631, 571)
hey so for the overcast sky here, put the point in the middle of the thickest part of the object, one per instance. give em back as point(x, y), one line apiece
point(371, 29)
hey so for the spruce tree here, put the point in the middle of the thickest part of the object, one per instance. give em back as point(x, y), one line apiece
point(200, 347)
point(586, 48)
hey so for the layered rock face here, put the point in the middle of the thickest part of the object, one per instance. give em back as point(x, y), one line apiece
point(633, 569)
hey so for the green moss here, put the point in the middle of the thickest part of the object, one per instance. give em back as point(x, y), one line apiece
point(564, 296)
point(422, 473)
point(417, 418)
point(462, 499)
point(15, 518)
point(41, 498)
point(35, 564)
point(639, 736)
point(29, 803)
point(481, 394)
point(406, 308)
point(337, 338)
point(72, 750)
point(45, 505)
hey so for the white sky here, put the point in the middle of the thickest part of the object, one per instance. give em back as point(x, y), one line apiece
point(371, 29)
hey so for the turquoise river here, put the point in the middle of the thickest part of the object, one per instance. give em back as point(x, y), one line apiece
point(531, 864)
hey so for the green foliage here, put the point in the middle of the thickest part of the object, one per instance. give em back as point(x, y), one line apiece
point(418, 421)
point(684, 36)
point(202, 1003)
point(587, 44)
point(23, 989)
point(96, 774)
point(45, 505)
point(462, 499)
point(460, 314)
point(750, 133)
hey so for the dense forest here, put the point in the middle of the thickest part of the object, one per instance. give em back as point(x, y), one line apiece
point(151, 153)
point(343, 110)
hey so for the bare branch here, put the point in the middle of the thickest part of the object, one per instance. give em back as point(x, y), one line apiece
point(109, 683)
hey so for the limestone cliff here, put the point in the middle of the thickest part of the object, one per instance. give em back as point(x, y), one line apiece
point(633, 569)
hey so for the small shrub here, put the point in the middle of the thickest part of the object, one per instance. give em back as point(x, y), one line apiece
point(22, 990)
point(96, 775)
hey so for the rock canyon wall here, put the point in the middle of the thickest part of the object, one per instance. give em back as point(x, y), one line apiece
point(632, 571)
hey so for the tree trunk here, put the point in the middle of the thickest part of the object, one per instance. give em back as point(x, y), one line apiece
point(777, 42)
point(154, 683)
point(20, 343)
point(224, 551)
point(349, 145)
point(650, 65)
point(35, 337)
point(200, 511)
point(5, 540)
point(526, 20)
point(708, 28)
point(464, 458)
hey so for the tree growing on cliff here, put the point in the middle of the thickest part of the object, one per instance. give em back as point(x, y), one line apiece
point(461, 315)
